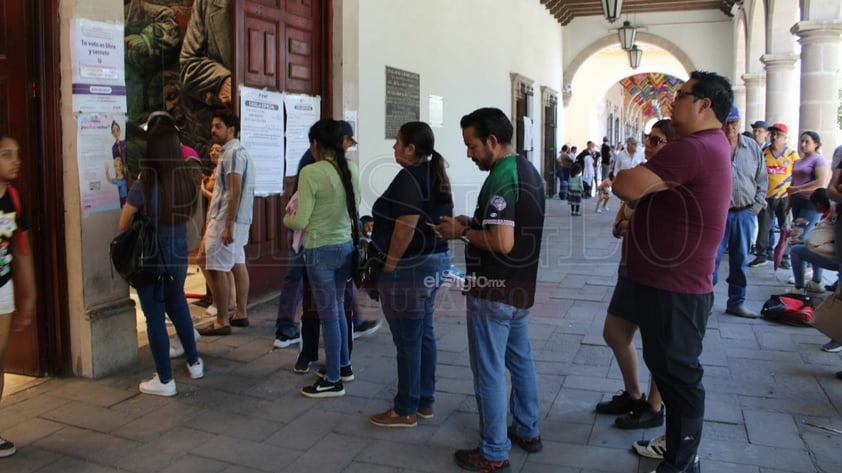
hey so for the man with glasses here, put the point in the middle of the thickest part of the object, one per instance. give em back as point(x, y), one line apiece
point(629, 157)
point(780, 159)
point(670, 252)
point(748, 198)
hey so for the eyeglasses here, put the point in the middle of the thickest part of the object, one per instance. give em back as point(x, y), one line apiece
point(653, 140)
point(682, 93)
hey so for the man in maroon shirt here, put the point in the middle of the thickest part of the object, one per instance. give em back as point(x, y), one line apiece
point(682, 197)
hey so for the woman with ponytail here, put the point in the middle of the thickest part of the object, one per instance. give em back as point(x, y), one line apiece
point(403, 217)
point(328, 195)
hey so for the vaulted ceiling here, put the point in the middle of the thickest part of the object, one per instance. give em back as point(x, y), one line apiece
point(566, 10)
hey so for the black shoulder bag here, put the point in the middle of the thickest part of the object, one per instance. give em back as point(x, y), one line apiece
point(135, 252)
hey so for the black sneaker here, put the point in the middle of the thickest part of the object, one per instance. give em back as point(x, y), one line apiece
point(643, 418)
point(758, 261)
point(323, 388)
point(286, 338)
point(474, 461)
point(302, 366)
point(785, 264)
point(530, 445)
point(7, 448)
point(346, 372)
point(366, 327)
point(620, 404)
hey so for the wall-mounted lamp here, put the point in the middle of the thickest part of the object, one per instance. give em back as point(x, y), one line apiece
point(627, 34)
point(635, 54)
point(612, 9)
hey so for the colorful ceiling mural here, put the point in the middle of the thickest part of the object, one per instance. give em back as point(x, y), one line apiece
point(652, 93)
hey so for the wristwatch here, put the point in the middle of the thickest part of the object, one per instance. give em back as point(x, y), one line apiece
point(464, 236)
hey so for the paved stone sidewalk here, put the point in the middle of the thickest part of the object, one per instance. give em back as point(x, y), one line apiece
point(763, 382)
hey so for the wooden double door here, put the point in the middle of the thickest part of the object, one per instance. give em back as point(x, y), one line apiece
point(277, 44)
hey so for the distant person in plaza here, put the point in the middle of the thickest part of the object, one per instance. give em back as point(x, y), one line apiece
point(760, 132)
point(167, 194)
point(417, 198)
point(502, 246)
point(629, 157)
point(575, 190)
point(328, 197)
point(603, 193)
point(670, 252)
point(17, 270)
point(748, 198)
point(780, 160)
point(606, 154)
point(633, 408)
point(563, 164)
point(809, 173)
point(229, 220)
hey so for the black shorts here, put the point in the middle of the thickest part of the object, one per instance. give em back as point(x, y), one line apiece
point(622, 301)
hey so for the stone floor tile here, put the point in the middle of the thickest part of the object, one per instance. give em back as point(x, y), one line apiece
point(89, 416)
point(772, 429)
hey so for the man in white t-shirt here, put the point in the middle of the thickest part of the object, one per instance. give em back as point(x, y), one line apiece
point(629, 157)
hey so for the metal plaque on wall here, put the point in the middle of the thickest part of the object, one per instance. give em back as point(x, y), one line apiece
point(403, 99)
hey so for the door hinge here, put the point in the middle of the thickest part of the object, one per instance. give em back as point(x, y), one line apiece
point(33, 89)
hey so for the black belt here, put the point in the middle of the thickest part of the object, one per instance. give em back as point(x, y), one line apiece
point(737, 209)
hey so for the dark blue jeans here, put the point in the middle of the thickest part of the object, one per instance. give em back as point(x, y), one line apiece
point(290, 291)
point(407, 296)
point(329, 269)
point(737, 239)
point(803, 208)
point(167, 297)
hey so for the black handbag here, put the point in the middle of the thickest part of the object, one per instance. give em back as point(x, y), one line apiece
point(371, 269)
point(135, 253)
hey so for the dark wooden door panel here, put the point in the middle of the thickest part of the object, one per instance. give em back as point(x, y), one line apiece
point(16, 103)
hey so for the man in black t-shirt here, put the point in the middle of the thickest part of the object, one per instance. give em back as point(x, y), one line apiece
point(503, 242)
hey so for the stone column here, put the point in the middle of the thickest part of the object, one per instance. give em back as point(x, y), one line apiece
point(755, 96)
point(821, 47)
point(740, 100)
point(781, 89)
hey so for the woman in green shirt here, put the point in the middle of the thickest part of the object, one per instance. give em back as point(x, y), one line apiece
point(328, 194)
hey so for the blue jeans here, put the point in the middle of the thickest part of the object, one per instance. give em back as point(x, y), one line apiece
point(168, 297)
point(498, 339)
point(803, 208)
point(800, 254)
point(291, 291)
point(737, 238)
point(407, 296)
point(329, 268)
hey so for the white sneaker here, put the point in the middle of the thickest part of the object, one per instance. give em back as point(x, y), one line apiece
point(654, 448)
point(808, 275)
point(211, 311)
point(197, 369)
point(177, 349)
point(814, 287)
point(156, 387)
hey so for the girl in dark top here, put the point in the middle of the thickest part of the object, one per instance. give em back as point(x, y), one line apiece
point(17, 270)
point(415, 259)
point(167, 193)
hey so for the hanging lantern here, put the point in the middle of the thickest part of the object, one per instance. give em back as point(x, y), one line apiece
point(612, 9)
point(627, 33)
point(635, 55)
